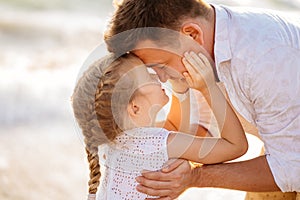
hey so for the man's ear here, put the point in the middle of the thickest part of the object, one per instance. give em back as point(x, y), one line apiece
point(133, 108)
point(194, 31)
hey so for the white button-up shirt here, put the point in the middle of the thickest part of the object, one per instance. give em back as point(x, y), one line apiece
point(257, 55)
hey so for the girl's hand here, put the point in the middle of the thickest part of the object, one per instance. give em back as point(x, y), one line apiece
point(200, 75)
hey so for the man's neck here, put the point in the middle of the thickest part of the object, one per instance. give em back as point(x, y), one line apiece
point(208, 27)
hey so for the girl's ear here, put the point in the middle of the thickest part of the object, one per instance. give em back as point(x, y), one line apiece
point(194, 31)
point(133, 108)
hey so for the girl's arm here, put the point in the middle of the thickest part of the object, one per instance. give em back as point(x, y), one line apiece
point(233, 142)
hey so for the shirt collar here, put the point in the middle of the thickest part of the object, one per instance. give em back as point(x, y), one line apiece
point(222, 49)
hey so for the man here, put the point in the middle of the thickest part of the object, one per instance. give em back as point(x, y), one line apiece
point(257, 56)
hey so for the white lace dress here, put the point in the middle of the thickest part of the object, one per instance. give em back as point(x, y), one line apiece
point(133, 151)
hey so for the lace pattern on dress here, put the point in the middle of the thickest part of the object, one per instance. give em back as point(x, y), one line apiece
point(130, 153)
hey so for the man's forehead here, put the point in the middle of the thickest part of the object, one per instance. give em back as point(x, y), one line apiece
point(147, 46)
point(149, 51)
point(151, 57)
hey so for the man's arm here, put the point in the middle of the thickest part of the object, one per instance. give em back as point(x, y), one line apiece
point(251, 175)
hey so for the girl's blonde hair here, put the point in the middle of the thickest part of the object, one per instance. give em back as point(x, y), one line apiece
point(99, 116)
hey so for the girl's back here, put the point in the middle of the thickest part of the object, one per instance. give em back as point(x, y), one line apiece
point(135, 150)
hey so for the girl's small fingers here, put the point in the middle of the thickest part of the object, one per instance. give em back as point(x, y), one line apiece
point(199, 60)
point(188, 66)
point(204, 59)
point(192, 61)
point(188, 79)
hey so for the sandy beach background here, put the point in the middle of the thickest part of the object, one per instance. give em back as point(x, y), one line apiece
point(43, 45)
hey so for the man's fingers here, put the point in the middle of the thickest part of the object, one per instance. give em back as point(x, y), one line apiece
point(161, 198)
point(153, 183)
point(154, 175)
point(166, 185)
point(153, 192)
point(171, 165)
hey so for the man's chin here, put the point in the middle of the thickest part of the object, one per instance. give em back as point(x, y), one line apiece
point(179, 86)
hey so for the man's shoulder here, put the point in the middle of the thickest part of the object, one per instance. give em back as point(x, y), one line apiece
point(254, 32)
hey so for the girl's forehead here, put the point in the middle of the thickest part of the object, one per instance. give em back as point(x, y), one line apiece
point(139, 71)
point(140, 75)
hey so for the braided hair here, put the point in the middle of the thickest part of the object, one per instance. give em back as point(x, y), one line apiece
point(99, 117)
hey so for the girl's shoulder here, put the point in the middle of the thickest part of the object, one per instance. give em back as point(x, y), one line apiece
point(146, 132)
point(138, 149)
point(143, 135)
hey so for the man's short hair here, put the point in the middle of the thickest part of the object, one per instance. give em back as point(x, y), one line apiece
point(132, 20)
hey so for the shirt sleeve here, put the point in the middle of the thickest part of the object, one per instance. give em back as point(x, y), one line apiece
point(275, 96)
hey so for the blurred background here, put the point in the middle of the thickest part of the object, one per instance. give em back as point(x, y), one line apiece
point(43, 45)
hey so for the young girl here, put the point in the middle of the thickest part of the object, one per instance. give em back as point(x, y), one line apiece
point(115, 103)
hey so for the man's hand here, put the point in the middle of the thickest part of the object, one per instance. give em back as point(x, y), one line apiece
point(168, 183)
